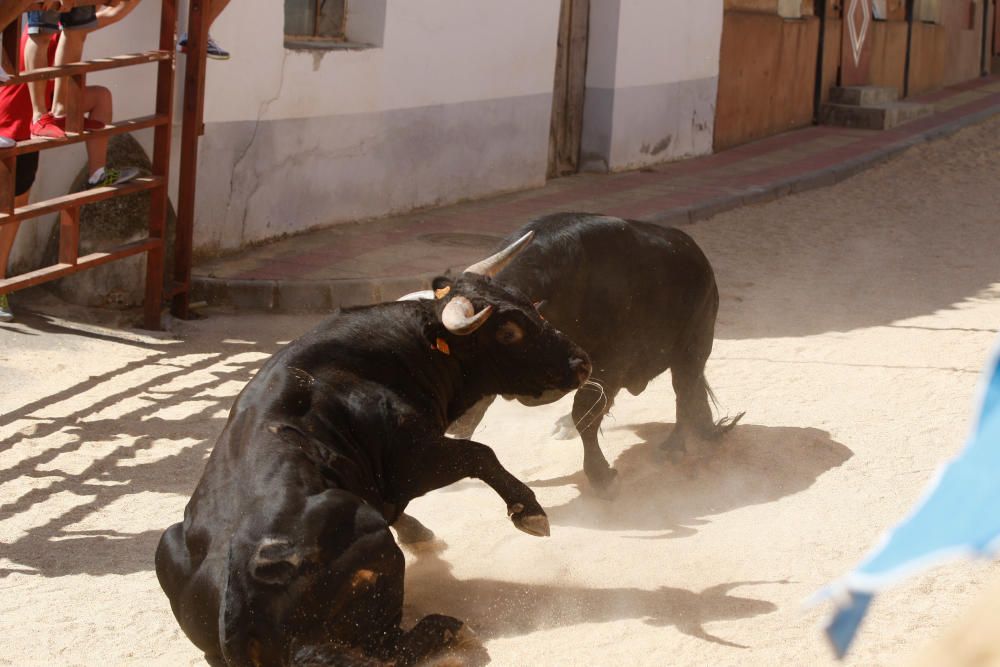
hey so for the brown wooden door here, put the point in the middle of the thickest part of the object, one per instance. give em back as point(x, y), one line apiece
point(856, 49)
point(570, 81)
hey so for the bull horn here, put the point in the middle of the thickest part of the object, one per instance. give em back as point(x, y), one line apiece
point(460, 316)
point(418, 296)
point(492, 265)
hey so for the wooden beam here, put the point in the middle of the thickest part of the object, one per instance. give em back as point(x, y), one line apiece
point(194, 105)
point(80, 199)
point(119, 127)
point(54, 271)
point(69, 235)
point(87, 66)
point(159, 201)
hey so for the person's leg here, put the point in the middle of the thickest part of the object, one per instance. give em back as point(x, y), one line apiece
point(75, 23)
point(41, 27)
point(213, 50)
point(27, 165)
point(98, 105)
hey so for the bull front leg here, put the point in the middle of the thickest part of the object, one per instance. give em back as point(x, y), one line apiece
point(447, 460)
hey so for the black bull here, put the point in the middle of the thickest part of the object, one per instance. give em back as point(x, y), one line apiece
point(284, 556)
point(640, 299)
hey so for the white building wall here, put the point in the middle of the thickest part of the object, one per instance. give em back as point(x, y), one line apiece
point(652, 81)
point(452, 101)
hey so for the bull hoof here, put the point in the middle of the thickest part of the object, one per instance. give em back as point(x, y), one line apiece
point(608, 486)
point(532, 524)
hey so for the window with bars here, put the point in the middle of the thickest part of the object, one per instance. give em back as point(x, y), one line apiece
point(315, 20)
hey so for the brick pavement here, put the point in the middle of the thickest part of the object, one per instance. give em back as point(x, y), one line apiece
point(365, 262)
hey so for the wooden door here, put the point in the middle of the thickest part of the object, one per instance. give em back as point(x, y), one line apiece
point(856, 50)
point(570, 81)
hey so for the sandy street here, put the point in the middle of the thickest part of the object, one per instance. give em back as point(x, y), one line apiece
point(854, 322)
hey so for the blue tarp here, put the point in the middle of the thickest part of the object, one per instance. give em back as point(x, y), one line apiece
point(959, 516)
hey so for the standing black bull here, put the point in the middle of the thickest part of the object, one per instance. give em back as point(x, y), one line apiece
point(639, 299)
point(284, 556)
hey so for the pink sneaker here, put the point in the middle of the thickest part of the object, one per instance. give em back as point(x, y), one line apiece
point(47, 127)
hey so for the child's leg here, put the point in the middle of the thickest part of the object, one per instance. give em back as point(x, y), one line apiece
point(98, 104)
point(41, 27)
point(75, 24)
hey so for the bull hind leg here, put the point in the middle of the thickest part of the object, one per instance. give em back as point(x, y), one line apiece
point(694, 413)
point(590, 404)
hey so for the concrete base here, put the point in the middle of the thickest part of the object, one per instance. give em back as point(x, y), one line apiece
point(870, 108)
point(874, 117)
point(863, 96)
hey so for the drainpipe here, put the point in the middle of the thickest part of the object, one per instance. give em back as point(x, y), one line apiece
point(983, 69)
point(909, 44)
point(819, 8)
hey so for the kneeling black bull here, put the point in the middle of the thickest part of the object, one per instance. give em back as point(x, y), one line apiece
point(285, 556)
point(640, 299)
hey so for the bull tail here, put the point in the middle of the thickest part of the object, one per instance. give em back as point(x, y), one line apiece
point(724, 424)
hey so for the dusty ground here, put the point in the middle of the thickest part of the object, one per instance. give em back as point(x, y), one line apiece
point(854, 322)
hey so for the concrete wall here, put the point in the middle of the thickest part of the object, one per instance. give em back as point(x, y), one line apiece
point(448, 100)
point(452, 103)
point(652, 78)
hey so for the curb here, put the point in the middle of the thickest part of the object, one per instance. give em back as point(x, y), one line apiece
point(311, 296)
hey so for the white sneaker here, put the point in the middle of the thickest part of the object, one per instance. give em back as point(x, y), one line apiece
point(7, 142)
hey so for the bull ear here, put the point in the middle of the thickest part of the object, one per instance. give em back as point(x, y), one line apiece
point(460, 316)
point(493, 264)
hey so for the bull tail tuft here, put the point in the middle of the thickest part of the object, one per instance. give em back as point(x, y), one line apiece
point(724, 424)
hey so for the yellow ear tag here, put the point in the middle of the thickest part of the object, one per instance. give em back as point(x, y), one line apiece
point(442, 346)
point(442, 293)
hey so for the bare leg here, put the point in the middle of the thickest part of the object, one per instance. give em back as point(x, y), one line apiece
point(36, 57)
point(69, 50)
point(97, 103)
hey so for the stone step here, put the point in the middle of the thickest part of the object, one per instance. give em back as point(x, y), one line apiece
point(873, 117)
point(863, 96)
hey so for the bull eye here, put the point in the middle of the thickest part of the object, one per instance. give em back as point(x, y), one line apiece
point(509, 333)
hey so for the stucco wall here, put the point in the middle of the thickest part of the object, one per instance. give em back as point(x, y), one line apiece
point(454, 104)
point(652, 78)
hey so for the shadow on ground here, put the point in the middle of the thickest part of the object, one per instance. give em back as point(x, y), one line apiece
point(750, 465)
point(518, 609)
point(103, 460)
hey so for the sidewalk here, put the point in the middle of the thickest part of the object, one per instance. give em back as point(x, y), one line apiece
point(356, 264)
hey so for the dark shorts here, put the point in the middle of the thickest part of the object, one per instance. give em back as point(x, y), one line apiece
point(27, 167)
point(78, 18)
